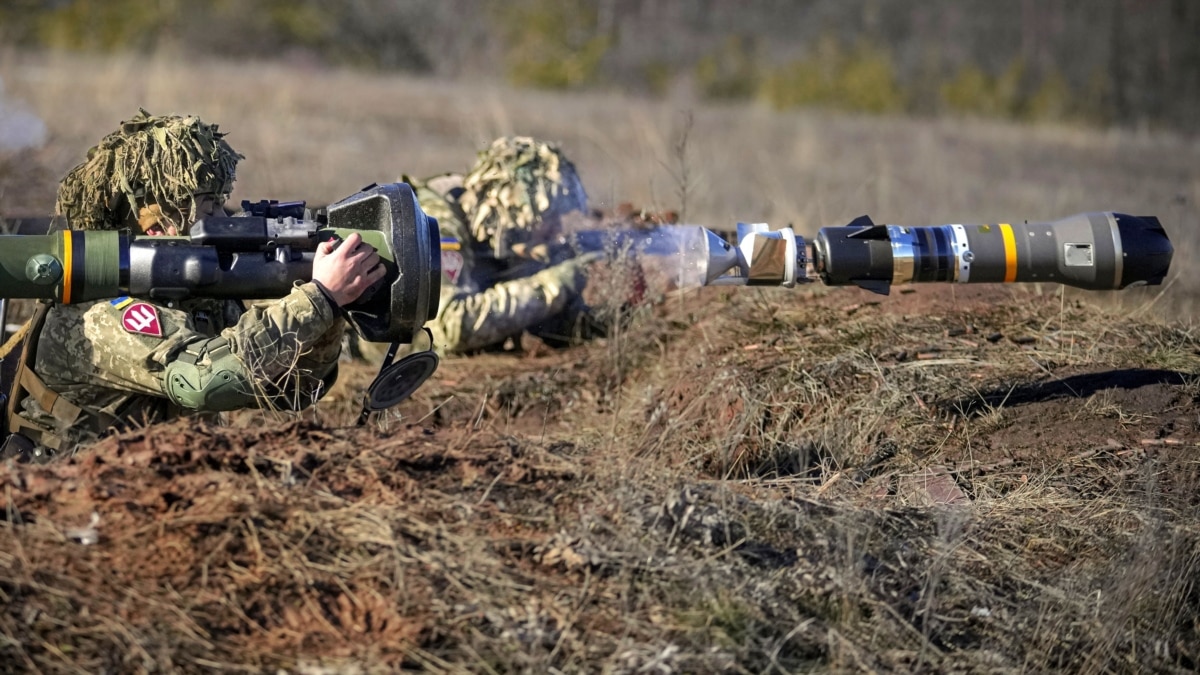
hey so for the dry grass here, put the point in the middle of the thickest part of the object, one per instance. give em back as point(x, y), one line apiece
point(758, 481)
point(791, 514)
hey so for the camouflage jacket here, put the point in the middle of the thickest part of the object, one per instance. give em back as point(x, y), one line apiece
point(89, 357)
point(485, 301)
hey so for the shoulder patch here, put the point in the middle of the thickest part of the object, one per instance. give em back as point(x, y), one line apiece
point(452, 264)
point(142, 319)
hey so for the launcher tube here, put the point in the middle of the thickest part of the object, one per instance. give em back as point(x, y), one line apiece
point(245, 258)
point(67, 266)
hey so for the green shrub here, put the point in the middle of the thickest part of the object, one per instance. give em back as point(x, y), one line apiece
point(553, 44)
point(861, 80)
point(657, 76)
point(799, 83)
point(105, 26)
point(867, 82)
point(1010, 89)
point(973, 92)
point(347, 32)
point(1094, 102)
point(305, 23)
point(968, 91)
point(1052, 100)
point(731, 72)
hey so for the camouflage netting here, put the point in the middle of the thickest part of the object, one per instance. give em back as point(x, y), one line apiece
point(514, 184)
point(151, 159)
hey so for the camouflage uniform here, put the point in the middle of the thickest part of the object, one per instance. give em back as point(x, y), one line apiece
point(90, 372)
point(514, 195)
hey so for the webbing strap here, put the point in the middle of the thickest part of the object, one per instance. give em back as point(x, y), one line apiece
point(63, 410)
point(27, 383)
point(13, 422)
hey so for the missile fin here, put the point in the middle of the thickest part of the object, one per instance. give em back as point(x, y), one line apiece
point(874, 285)
point(868, 231)
point(861, 221)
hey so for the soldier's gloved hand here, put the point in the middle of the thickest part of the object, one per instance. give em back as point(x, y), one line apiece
point(575, 272)
point(344, 270)
point(540, 253)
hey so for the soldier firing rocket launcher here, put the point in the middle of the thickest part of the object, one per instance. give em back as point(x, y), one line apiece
point(261, 255)
point(1093, 251)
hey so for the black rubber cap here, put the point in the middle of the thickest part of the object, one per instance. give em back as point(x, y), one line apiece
point(400, 380)
point(1147, 250)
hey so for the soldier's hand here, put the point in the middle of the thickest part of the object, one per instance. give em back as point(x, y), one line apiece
point(570, 275)
point(539, 253)
point(345, 270)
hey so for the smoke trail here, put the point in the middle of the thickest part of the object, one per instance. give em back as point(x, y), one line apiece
point(678, 253)
point(20, 127)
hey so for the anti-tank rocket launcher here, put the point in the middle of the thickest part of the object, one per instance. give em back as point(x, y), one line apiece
point(1093, 251)
point(255, 256)
point(264, 254)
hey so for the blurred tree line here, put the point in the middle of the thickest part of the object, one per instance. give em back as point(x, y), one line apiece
point(1128, 62)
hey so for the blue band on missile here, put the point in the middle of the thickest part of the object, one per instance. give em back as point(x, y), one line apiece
point(935, 254)
point(945, 255)
point(79, 254)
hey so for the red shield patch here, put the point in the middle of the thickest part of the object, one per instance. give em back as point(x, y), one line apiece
point(142, 319)
point(452, 264)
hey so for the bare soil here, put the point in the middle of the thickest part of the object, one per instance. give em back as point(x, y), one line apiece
point(948, 480)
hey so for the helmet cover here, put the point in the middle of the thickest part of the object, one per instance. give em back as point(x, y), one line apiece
point(150, 160)
point(515, 184)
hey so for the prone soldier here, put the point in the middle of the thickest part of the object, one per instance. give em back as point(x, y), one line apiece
point(92, 367)
point(496, 221)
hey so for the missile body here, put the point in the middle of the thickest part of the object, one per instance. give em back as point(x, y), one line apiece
point(1094, 251)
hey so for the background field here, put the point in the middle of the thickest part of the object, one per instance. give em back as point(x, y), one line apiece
point(762, 481)
point(318, 134)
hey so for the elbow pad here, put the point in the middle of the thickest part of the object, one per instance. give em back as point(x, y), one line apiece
point(208, 377)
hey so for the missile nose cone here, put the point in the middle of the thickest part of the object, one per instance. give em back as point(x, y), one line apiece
point(721, 256)
point(1146, 250)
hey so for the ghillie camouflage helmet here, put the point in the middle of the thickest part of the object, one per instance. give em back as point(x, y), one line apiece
point(165, 160)
point(516, 183)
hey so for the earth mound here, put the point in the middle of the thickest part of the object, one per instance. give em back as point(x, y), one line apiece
point(739, 480)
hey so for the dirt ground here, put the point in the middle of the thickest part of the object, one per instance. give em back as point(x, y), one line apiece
point(951, 479)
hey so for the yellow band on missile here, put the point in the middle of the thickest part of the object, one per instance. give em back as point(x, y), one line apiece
point(1010, 253)
point(66, 262)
